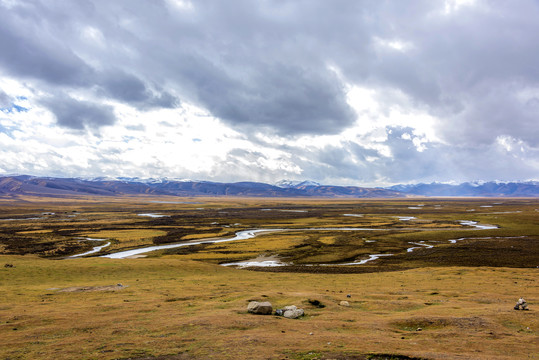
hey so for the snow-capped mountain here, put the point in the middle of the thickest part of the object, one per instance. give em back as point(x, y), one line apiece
point(287, 184)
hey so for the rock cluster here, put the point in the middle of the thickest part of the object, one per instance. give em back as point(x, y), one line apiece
point(521, 304)
point(265, 308)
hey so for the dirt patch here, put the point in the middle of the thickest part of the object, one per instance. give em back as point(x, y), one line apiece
point(164, 357)
point(93, 288)
point(309, 355)
point(422, 323)
point(318, 269)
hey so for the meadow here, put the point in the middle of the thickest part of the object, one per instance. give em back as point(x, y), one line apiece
point(445, 289)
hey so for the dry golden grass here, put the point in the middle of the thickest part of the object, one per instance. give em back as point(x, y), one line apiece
point(205, 235)
point(34, 232)
point(168, 306)
point(126, 238)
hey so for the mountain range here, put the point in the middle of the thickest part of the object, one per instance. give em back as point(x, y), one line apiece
point(51, 186)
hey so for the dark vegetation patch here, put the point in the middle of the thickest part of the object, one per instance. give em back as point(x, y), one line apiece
point(45, 246)
point(316, 303)
point(311, 355)
point(501, 252)
point(176, 235)
point(319, 355)
point(185, 250)
point(184, 356)
point(329, 269)
point(423, 323)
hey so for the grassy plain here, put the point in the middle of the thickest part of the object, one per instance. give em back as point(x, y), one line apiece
point(448, 301)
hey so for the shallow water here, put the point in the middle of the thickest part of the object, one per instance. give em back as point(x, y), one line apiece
point(22, 219)
point(421, 244)
point(361, 262)
point(269, 262)
point(94, 250)
point(476, 225)
point(406, 218)
point(153, 215)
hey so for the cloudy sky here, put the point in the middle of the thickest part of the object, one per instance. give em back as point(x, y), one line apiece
point(343, 92)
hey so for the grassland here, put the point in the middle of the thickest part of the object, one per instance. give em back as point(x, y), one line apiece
point(450, 301)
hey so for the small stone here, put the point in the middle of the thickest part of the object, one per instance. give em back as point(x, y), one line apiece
point(311, 333)
point(419, 329)
point(344, 303)
point(348, 296)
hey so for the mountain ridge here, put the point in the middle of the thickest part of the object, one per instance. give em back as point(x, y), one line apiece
point(50, 186)
point(105, 186)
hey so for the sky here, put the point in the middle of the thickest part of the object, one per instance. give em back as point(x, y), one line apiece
point(341, 92)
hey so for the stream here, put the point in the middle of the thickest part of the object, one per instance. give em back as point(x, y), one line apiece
point(93, 251)
point(249, 234)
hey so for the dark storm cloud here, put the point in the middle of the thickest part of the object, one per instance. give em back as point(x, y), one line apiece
point(125, 87)
point(285, 98)
point(29, 51)
point(79, 115)
point(130, 89)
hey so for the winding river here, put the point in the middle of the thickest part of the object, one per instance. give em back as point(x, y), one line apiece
point(240, 235)
point(248, 234)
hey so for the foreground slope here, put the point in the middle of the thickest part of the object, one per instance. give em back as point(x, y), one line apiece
point(170, 309)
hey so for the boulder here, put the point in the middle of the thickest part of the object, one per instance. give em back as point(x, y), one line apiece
point(260, 308)
point(292, 312)
point(344, 303)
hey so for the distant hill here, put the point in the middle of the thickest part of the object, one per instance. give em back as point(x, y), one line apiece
point(486, 189)
point(48, 186)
